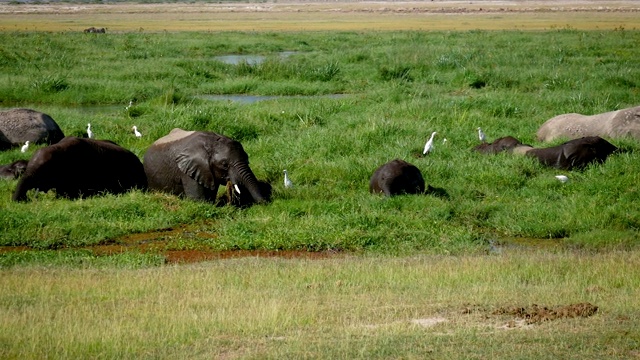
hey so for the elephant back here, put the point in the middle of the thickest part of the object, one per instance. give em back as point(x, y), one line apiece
point(20, 125)
point(175, 135)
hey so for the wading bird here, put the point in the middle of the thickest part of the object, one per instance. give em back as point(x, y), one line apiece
point(25, 146)
point(287, 181)
point(428, 147)
point(89, 132)
point(562, 178)
point(136, 132)
point(481, 135)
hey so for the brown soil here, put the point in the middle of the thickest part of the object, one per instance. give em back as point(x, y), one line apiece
point(537, 314)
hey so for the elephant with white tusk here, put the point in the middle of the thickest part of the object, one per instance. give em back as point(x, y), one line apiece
point(195, 163)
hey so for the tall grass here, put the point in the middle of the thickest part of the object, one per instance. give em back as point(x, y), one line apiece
point(399, 86)
point(351, 307)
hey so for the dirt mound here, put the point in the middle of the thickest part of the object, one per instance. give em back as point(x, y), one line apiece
point(537, 314)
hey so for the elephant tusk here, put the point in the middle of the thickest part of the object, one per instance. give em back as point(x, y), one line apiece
point(235, 186)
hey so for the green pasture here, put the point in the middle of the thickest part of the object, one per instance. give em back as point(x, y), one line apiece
point(397, 88)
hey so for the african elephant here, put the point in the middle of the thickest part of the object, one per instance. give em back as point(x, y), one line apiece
point(243, 199)
point(397, 177)
point(613, 124)
point(20, 125)
point(14, 170)
point(507, 143)
point(195, 163)
point(77, 167)
point(574, 154)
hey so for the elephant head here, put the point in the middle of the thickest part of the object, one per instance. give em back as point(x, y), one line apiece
point(575, 154)
point(13, 170)
point(196, 163)
point(239, 196)
point(397, 177)
point(507, 143)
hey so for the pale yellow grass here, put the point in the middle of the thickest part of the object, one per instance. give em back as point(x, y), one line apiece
point(257, 307)
point(321, 15)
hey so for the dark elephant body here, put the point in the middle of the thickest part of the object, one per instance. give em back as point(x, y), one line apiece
point(20, 125)
point(397, 177)
point(14, 170)
point(507, 143)
point(195, 163)
point(575, 154)
point(76, 167)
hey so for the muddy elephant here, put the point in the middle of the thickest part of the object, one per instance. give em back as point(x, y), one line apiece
point(14, 170)
point(195, 163)
point(507, 143)
point(613, 124)
point(397, 177)
point(574, 154)
point(239, 196)
point(76, 167)
point(20, 125)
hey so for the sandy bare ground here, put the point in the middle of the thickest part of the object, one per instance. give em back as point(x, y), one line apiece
point(326, 15)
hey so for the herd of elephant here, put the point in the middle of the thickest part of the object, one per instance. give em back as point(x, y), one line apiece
point(195, 164)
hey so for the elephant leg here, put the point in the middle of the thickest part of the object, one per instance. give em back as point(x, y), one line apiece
point(193, 190)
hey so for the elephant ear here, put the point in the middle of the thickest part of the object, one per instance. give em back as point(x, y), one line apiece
point(194, 162)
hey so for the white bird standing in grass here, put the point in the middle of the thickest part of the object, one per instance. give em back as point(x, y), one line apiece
point(25, 146)
point(562, 178)
point(89, 132)
point(428, 147)
point(136, 132)
point(287, 181)
point(129, 106)
point(481, 135)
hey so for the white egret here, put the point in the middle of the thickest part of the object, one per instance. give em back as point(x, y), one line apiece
point(287, 181)
point(129, 106)
point(444, 141)
point(562, 178)
point(89, 132)
point(481, 135)
point(136, 132)
point(25, 146)
point(428, 147)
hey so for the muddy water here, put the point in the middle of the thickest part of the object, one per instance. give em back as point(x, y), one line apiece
point(250, 99)
point(249, 59)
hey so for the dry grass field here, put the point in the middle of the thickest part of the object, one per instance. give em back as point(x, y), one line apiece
point(325, 15)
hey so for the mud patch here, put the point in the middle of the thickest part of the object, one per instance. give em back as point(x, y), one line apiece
point(535, 314)
point(181, 245)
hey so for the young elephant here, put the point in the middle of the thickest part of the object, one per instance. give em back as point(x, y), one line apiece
point(195, 163)
point(574, 154)
point(76, 167)
point(14, 170)
point(397, 177)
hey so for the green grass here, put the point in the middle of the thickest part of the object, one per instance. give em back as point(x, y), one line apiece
point(399, 86)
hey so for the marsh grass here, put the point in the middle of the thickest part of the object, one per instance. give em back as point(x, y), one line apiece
point(398, 87)
point(365, 307)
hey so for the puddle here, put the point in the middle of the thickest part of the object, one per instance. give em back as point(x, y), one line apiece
point(498, 246)
point(250, 99)
point(250, 59)
point(160, 242)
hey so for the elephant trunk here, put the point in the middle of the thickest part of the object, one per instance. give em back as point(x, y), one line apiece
point(242, 174)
